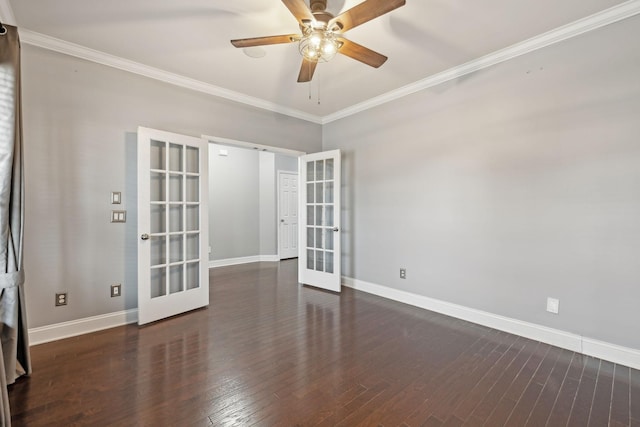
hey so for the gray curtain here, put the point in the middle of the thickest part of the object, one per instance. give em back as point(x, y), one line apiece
point(13, 321)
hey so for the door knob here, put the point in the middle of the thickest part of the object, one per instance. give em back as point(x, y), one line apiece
point(144, 236)
point(336, 229)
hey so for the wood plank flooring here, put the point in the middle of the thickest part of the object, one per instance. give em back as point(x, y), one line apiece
point(268, 352)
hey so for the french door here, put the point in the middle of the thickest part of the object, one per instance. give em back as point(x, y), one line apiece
point(173, 223)
point(319, 249)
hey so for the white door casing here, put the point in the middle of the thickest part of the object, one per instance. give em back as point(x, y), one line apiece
point(319, 236)
point(173, 235)
point(287, 214)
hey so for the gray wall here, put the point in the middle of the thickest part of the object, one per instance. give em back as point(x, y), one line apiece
point(515, 183)
point(234, 204)
point(80, 120)
point(268, 204)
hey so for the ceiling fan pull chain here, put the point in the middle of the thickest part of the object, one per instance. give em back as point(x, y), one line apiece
point(309, 67)
point(319, 88)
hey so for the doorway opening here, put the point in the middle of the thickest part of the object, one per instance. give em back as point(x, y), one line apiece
point(253, 202)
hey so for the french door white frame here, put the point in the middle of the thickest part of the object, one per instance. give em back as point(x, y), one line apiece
point(173, 236)
point(319, 244)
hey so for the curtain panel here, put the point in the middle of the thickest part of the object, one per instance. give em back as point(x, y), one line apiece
point(13, 322)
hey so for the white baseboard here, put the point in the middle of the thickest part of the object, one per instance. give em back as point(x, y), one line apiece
point(570, 341)
point(589, 346)
point(87, 325)
point(243, 260)
point(77, 327)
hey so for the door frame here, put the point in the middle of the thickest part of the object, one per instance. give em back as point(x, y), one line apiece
point(279, 172)
point(269, 148)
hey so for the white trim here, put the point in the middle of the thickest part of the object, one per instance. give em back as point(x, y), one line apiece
point(82, 52)
point(608, 16)
point(77, 327)
point(581, 26)
point(574, 342)
point(6, 13)
point(251, 145)
point(242, 260)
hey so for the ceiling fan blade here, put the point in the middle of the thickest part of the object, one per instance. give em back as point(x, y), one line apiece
point(262, 41)
point(364, 12)
point(299, 9)
point(306, 70)
point(361, 53)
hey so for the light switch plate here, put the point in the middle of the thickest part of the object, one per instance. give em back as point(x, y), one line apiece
point(118, 216)
point(116, 197)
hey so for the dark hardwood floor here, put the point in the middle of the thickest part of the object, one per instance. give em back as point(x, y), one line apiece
point(270, 353)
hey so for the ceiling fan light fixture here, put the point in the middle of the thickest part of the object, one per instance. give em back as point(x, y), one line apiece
point(318, 45)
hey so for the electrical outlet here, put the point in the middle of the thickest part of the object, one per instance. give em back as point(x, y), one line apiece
point(553, 305)
point(61, 299)
point(116, 290)
point(403, 273)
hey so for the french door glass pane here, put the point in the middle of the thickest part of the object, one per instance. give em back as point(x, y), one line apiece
point(157, 187)
point(193, 192)
point(175, 158)
point(193, 246)
point(158, 155)
point(193, 160)
point(318, 238)
point(310, 193)
point(319, 261)
point(176, 278)
point(158, 282)
point(310, 170)
point(319, 192)
point(158, 218)
point(319, 170)
point(329, 170)
point(328, 192)
point(175, 188)
point(310, 237)
point(310, 259)
point(193, 214)
point(328, 267)
point(328, 239)
point(328, 215)
point(310, 215)
point(193, 275)
point(158, 249)
point(176, 251)
point(175, 218)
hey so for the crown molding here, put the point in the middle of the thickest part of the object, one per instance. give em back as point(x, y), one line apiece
point(6, 13)
point(581, 26)
point(51, 43)
point(606, 17)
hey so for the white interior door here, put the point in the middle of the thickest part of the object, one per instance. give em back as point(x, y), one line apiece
point(173, 274)
point(319, 254)
point(288, 215)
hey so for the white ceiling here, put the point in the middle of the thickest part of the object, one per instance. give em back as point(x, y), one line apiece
point(190, 38)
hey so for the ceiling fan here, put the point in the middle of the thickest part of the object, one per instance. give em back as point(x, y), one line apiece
point(322, 34)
